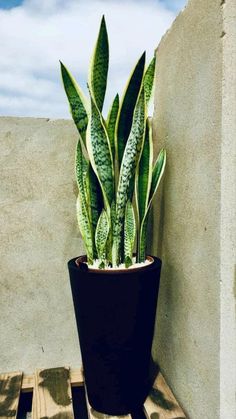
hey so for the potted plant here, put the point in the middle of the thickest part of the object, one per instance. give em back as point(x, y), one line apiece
point(114, 290)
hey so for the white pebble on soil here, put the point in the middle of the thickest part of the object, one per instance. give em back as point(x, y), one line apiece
point(135, 265)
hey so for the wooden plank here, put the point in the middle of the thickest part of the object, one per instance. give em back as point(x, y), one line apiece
point(10, 385)
point(76, 379)
point(52, 394)
point(161, 403)
point(93, 414)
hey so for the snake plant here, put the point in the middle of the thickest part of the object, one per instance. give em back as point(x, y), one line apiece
point(116, 176)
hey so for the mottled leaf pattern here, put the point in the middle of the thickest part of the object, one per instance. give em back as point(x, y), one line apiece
point(144, 175)
point(101, 237)
point(76, 100)
point(85, 227)
point(128, 102)
point(129, 234)
point(148, 80)
point(81, 167)
point(157, 174)
point(129, 163)
point(99, 66)
point(95, 200)
point(99, 151)
point(110, 235)
point(111, 123)
point(141, 253)
point(82, 207)
point(114, 157)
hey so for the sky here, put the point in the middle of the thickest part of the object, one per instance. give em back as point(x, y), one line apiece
point(36, 34)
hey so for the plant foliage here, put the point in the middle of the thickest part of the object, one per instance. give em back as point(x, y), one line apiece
point(115, 174)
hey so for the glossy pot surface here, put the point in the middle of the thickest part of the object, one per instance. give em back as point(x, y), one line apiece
point(115, 314)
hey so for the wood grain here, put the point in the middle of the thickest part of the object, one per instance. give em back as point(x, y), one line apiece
point(10, 385)
point(52, 394)
point(161, 403)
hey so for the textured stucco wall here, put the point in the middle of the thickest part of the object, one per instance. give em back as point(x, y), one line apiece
point(228, 215)
point(195, 120)
point(38, 235)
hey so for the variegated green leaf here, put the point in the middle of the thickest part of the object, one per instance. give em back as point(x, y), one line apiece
point(157, 174)
point(113, 217)
point(77, 101)
point(110, 236)
point(95, 200)
point(130, 160)
point(99, 151)
point(111, 122)
point(148, 80)
point(83, 214)
point(101, 236)
point(99, 66)
point(85, 227)
point(128, 102)
point(81, 168)
point(141, 252)
point(129, 234)
point(144, 174)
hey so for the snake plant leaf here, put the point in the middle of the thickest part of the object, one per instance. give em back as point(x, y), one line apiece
point(83, 213)
point(128, 102)
point(81, 168)
point(129, 234)
point(81, 171)
point(85, 227)
point(99, 66)
point(130, 160)
point(148, 80)
point(94, 200)
point(101, 236)
point(157, 173)
point(77, 101)
point(141, 250)
point(144, 175)
point(98, 147)
point(110, 235)
point(113, 216)
point(111, 123)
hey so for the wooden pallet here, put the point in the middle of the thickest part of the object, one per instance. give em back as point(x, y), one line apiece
point(52, 390)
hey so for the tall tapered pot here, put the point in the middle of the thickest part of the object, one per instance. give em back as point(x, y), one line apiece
point(115, 314)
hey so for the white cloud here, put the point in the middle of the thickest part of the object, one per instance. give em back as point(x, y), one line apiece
point(40, 32)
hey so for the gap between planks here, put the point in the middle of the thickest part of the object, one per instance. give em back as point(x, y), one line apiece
point(160, 404)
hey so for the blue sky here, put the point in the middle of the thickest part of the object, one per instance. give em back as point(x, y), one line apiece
point(35, 34)
point(8, 4)
point(174, 5)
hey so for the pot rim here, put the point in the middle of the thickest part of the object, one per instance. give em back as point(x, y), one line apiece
point(81, 263)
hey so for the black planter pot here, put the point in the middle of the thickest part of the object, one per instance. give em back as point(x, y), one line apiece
point(115, 315)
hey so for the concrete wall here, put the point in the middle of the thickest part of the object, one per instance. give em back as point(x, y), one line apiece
point(195, 111)
point(228, 214)
point(38, 235)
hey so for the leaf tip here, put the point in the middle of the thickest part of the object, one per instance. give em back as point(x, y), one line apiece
point(103, 25)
